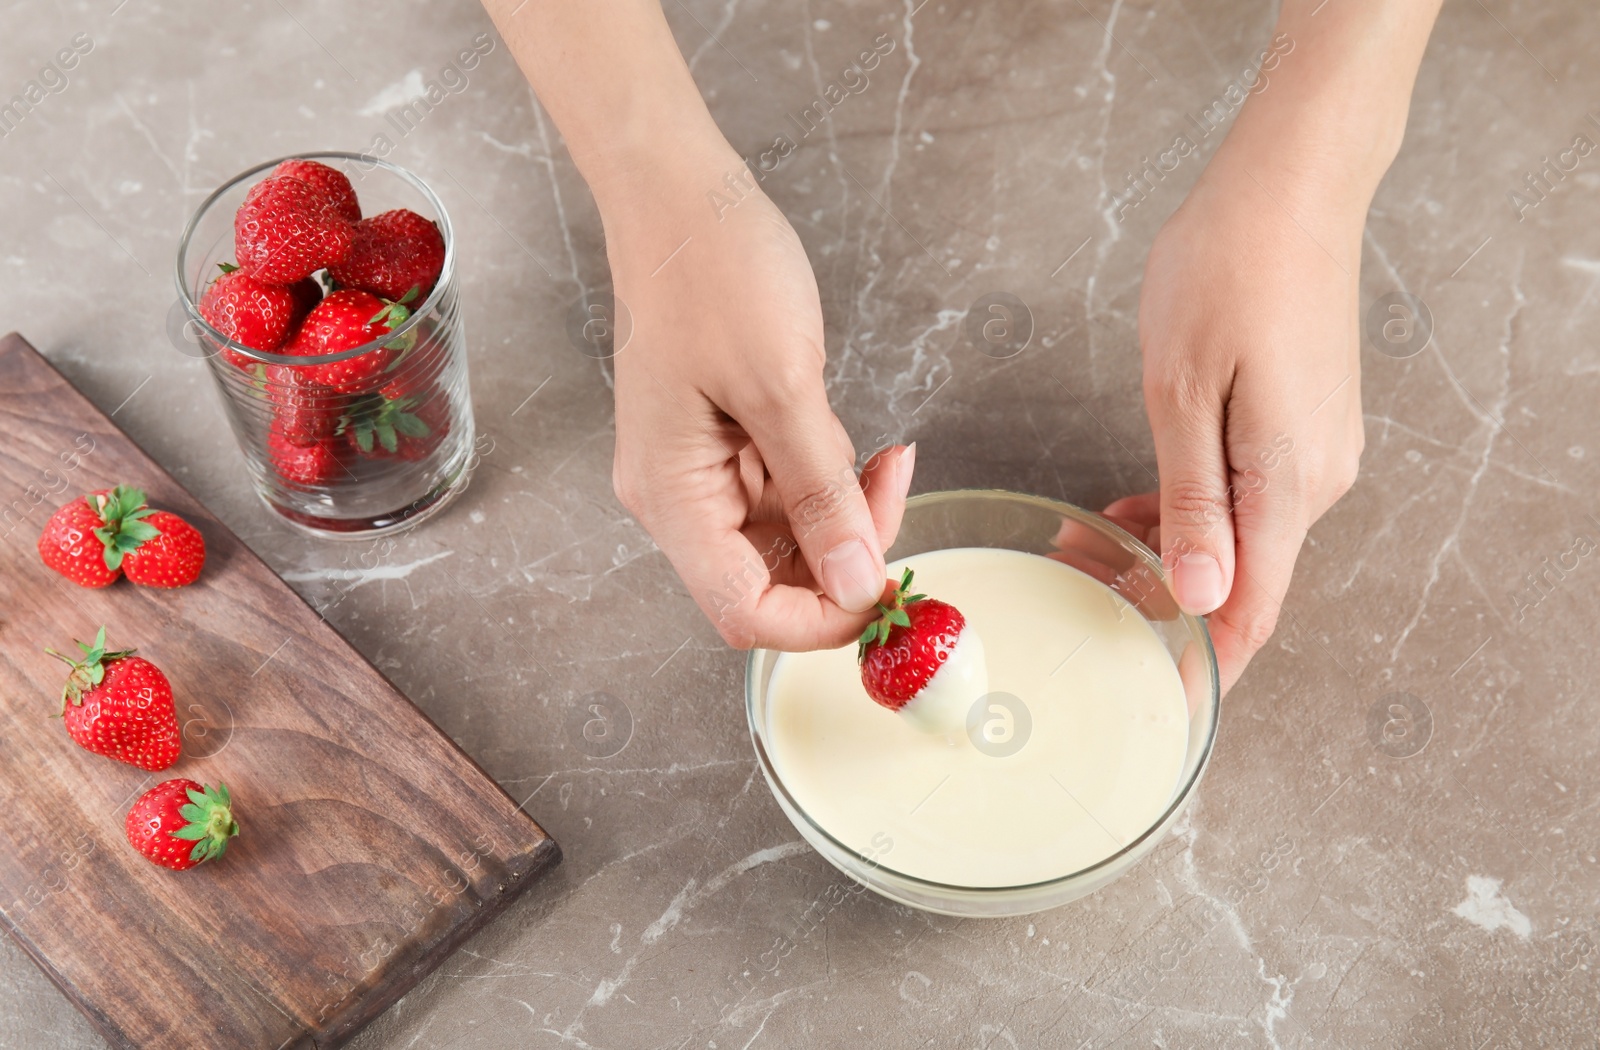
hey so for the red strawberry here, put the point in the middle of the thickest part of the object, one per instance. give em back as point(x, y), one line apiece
point(179, 824)
point(286, 230)
point(69, 545)
point(331, 183)
point(391, 255)
point(86, 540)
point(119, 705)
point(304, 411)
point(402, 427)
point(304, 467)
point(248, 311)
point(343, 321)
point(919, 656)
point(172, 558)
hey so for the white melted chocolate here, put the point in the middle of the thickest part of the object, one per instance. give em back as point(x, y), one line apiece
point(1102, 726)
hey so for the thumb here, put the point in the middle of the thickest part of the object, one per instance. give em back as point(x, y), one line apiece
point(1196, 515)
point(812, 465)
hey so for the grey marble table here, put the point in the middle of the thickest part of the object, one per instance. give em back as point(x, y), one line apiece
point(1330, 887)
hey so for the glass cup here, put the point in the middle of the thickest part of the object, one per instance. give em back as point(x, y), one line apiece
point(341, 465)
point(1091, 544)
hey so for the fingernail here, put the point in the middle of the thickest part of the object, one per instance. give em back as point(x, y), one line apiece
point(851, 576)
point(908, 460)
point(1197, 583)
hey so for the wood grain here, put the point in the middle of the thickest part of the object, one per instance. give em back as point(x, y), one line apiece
point(371, 845)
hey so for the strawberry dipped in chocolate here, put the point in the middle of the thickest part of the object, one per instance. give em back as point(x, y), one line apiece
point(922, 659)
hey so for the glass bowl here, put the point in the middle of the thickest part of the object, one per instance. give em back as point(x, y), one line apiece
point(318, 474)
point(1086, 541)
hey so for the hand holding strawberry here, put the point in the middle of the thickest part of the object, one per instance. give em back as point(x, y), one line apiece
point(120, 705)
point(922, 659)
point(180, 824)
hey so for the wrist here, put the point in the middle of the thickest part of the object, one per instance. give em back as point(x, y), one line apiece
point(1313, 176)
point(1327, 109)
point(656, 179)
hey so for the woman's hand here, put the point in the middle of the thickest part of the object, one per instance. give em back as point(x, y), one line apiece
point(1249, 318)
point(727, 450)
point(1248, 324)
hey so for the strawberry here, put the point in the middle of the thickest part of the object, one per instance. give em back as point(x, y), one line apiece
point(401, 427)
point(343, 321)
point(119, 705)
point(179, 824)
point(393, 254)
point(110, 533)
point(248, 311)
point(304, 411)
point(171, 558)
point(331, 183)
point(86, 540)
point(69, 545)
point(286, 230)
point(304, 466)
point(920, 657)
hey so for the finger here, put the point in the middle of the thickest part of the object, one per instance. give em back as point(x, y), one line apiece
point(1196, 518)
point(1270, 527)
point(885, 480)
point(753, 476)
point(806, 451)
point(780, 554)
point(1144, 507)
point(689, 492)
point(1091, 543)
point(729, 580)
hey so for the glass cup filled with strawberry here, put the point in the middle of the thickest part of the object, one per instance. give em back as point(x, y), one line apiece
point(321, 291)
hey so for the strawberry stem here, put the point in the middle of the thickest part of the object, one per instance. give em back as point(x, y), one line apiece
point(122, 510)
point(210, 822)
point(89, 672)
point(889, 617)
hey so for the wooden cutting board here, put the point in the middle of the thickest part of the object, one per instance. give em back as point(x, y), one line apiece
point(371, 845)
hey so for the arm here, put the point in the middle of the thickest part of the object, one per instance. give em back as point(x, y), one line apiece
point(727, 450)
point(1248, 319)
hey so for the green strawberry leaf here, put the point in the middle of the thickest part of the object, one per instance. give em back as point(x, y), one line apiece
point(411, 426)
point(90, 671)
point(210, 823)
point(138, 532)
point(127, 500)
point(386, 437)
point(364, 437)
point(226, 267)
point(392, 316)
